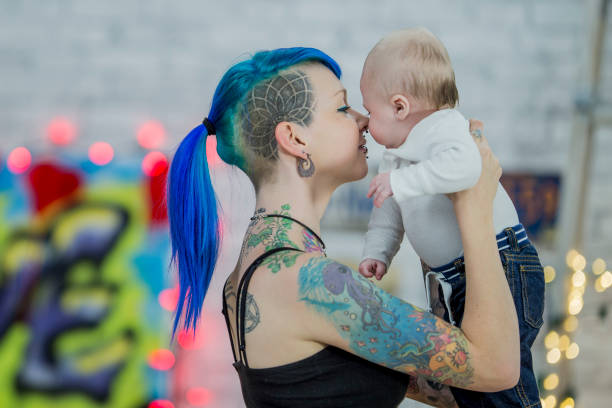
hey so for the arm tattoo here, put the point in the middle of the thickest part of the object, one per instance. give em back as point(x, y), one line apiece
point(288, 97)
point(384, 329)
point(251, 316)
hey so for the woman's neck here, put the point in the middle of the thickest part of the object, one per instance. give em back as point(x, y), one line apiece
point(303, 204)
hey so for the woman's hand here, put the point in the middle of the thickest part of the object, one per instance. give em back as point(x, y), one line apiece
point(482, 194)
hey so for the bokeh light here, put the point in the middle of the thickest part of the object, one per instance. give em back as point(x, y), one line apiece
point(61, 131)
point(151, 134)
point(551, 340)
point(161, 403)
point(549, 274)
point(553, 356)
point(161, 359)
point(186, 340)
point(154, 164)
point(168, 298)
point(19, 160)
point(199, 396)
point(570, 324)
point(567, 403)
point(101, 153)
point(572, 351)
point(599, 266)
point(551, 382)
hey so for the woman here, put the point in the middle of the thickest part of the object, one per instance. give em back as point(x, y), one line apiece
point(306, 330)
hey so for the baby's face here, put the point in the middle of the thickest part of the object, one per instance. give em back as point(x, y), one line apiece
point(383, 126)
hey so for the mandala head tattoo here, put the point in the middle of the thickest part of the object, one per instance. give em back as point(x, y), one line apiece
point(286, 97)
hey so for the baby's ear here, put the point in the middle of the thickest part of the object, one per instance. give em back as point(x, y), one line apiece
point(401, 106)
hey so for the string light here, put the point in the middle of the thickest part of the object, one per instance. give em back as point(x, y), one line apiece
point(553, 356)
point(569, 258)
point(578, 279)
point(575, 306)
point(564, 342)
point(579, 262)
point(549, 274)
point(599, 266)
point(558, 345)
point(551, 382)
point(570, 324)
point(606, 279)
point(572, 351)
point(549, 402)
point(551, 340)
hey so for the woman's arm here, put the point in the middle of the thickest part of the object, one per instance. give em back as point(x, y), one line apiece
point(355, 315)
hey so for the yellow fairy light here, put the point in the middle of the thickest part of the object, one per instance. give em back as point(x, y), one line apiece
point(564, 342)
point(551, 382)
point(549, 274)
point(606, 279)
point(578, 263)
point(599, 266)
point(571, 255)
point(575, 306)
point(550, 401)
point(553, 356)
point(567, 403)
point(572, 351)
point(578, 279)
point(570, 324)
point(551, 340)
point(598, 286)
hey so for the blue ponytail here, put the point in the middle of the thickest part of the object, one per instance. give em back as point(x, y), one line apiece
point(192, 202)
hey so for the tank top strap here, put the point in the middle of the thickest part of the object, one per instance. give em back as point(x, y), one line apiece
point(227, 321)
point(241, 300)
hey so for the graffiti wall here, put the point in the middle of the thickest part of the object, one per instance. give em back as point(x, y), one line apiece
point(83, 259)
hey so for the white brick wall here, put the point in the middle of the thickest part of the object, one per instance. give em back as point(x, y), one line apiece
point(111, 65)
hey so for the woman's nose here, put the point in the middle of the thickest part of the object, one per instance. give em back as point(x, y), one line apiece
point(362, 121)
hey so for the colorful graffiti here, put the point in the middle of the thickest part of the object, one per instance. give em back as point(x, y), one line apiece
point(83, 257)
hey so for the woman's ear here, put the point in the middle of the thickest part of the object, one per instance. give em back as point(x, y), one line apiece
point(401, 106)
point(288, 139)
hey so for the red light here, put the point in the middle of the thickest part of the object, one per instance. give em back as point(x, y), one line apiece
point(187, 340)
point(199, 396)
point(154, 164)
point(168, 298)
point(161, 404)
point(61, 131)
point(151, 135)
point(211, 151)
point(161, 359)
point(101, 153)
point(19, 160)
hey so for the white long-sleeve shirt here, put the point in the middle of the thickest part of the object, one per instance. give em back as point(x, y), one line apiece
point(438, 157)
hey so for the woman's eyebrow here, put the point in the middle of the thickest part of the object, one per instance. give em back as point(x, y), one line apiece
point(341, 91)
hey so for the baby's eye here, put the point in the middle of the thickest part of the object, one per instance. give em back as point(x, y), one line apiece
point(344, 108)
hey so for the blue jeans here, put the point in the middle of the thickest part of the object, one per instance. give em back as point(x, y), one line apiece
point(525, 276)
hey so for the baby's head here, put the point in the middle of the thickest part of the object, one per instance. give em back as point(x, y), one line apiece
point(405, 77)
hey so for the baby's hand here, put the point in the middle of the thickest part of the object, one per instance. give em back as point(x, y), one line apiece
point(380, 187)
point(372, 267)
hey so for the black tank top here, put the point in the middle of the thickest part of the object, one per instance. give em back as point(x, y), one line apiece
point(329, 378)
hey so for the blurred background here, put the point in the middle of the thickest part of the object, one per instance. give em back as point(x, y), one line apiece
point(96, 96)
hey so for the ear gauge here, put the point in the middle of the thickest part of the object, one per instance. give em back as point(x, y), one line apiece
point(305, 167)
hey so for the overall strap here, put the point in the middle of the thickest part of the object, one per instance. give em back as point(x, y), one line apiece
point(241, 298)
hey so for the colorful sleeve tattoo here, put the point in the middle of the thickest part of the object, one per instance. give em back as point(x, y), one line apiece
point(384, 329)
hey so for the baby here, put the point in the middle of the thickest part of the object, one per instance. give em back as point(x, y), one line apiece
point(408, 87)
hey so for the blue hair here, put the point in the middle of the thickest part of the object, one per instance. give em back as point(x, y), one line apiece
point(195, 228)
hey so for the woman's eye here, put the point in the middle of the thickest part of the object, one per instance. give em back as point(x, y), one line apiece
point(344, 108)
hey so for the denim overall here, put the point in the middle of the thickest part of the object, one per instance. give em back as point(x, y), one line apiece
point(525, 276)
